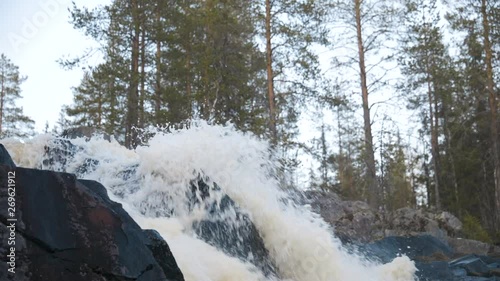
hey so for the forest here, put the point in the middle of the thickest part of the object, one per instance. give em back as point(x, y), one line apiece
point(401, 96)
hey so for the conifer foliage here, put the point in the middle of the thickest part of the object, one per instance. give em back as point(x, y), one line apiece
point(13, 122)
point(261, 65)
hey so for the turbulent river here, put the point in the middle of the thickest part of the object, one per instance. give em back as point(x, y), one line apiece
point(151, 182)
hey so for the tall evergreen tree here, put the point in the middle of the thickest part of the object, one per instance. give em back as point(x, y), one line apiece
point(477, 23)
point(12, 120)
point(369, 29)
point(424, 63)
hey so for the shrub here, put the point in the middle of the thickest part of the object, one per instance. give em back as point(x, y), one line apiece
point(472, 229)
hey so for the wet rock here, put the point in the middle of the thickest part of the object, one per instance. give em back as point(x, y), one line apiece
point(83, 132)
point(69, 229)
point(5, 158)
point(228, 228)
point(58, 154)
point(433, 259)
point(162, 254)
point(415, 247)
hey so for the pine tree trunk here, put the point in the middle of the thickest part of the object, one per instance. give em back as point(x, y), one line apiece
point(434, 141)
point(492, 98)
point(189, 84)
point(373, 198)
point(2, 98)
point(158, 69)
point(270, 77)
point(143, 79)
point(453, 169)
point(133, 95)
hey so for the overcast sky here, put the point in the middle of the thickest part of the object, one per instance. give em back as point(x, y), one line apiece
point(34, 35)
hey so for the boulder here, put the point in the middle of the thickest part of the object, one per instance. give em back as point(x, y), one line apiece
point(451, 224)
point(228, 228)
point(410, 222)
point(421, 247)
point(69, 229)
point(356, 221)
point(467, 246)
point(5, 158)
point(433, 259)
point(352, 221)
point(475, 265)
point(83, 132)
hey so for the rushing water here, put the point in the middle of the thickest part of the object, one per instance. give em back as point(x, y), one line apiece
point(153, 181)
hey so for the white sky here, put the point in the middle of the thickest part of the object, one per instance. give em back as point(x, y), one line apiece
point(34, 35)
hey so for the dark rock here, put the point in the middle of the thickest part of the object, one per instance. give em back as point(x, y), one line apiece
point(70, 230)
point(5, 158)
point(435, 271)
point(83, 132)
point(432, 259)
point(415, 247)
point(163, 255)
point(58, 154)
point(228, 228)
point(475, 265)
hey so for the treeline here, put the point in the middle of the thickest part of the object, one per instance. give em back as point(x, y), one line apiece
point(257, 65)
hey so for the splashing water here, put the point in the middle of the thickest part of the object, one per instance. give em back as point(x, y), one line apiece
point(152, 182)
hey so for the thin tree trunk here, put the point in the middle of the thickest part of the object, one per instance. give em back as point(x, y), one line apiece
point(189, 86)
point(2, 97)
point(492, 98)
point(373, 199)
point(143, 79)
point(133, 95)
point(434, 142)
point(270, 77)
point(451, 159)
point(158, 68)
point(99, 107)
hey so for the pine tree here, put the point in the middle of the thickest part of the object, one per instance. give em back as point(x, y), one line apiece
point(369, 29)
point(12, 120)
point(202, 55)
point(424, 63)
point(290, 28)
point(477, 23)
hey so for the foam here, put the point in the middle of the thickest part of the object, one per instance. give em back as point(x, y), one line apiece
point(299, 242)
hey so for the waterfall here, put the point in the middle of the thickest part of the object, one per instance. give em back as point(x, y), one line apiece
point(209, 191)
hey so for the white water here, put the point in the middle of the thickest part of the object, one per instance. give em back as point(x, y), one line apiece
point(299, 242)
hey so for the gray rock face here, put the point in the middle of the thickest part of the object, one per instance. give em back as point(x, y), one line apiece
point(450, 223)
point(356, 221)
point(359, 222)
point(407, 221)
point(351, 220)
point(467, 246)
